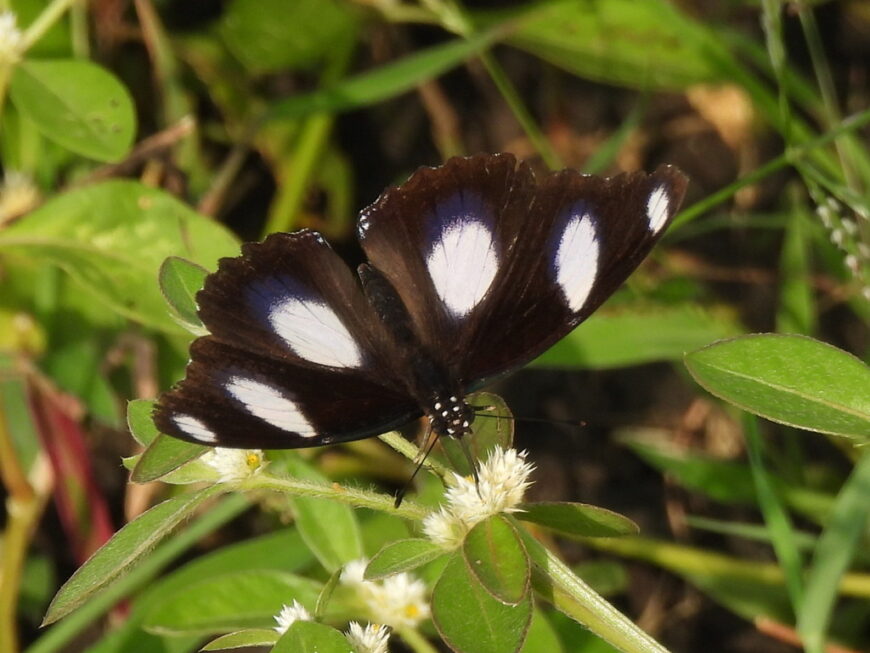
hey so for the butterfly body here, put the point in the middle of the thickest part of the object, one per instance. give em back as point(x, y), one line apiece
point(474, 269)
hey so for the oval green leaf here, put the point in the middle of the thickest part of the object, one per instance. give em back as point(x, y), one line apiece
point(111, 238)
point(77, 104)
point(119, 554)
point(139, 421)
point(497, 558)
point(577, 519)
point(304, 636)
point(793, 380)
point(231, 601)
point(470, 620)
point(402, 555)
point(166, 454)
point(243, 639)
point(179, 281)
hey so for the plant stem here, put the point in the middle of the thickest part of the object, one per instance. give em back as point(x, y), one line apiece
point(44, 22)
point(571, 595)
point(353, 496)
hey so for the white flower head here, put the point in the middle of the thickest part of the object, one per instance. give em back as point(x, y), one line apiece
point(233, 465)
point(289, 615)
point(502, 481)
point(398, 601)
point(11, 38)
point(371, 639)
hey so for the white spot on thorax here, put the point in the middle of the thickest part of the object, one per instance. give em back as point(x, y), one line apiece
point(576, 263)
point(195, 428)
point(270, 405)
point(463, 263)
point(657, 208)
point(314, 332)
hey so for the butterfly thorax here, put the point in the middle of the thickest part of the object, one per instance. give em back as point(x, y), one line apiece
point(427, 380)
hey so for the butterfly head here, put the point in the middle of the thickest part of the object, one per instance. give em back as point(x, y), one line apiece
point(450, 415)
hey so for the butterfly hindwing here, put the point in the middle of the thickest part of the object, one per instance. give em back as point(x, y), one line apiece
point(295, 357)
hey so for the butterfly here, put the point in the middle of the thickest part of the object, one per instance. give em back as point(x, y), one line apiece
point(474, 268)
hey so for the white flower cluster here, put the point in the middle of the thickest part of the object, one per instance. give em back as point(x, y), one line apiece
point(502, 481)
point(372, 638)
point(233, 465)
point(11, 38)
point(844, 234)
point(398, 601)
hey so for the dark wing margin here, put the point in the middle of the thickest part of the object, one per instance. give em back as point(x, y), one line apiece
point(296, 357)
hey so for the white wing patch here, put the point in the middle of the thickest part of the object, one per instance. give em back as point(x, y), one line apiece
point(270, 405)
point(576, 263)
point(658, 206)
point(463, 263)
point(195, 428)
point(314, 332)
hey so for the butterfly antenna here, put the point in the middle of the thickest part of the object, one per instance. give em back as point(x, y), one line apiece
point(535, 420)
point(419, 459)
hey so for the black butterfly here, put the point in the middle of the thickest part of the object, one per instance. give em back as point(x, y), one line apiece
point(474, 270)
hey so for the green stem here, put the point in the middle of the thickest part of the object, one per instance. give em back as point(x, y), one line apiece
point(44, 22)
point(415, 641)
point(788, 157)
point(571, 595)
point(58, 638)
point(411, 451)
point(353, 496)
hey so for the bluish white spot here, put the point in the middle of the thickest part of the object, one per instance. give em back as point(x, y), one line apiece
point(270, 405)
point(314, 332)
point(576, 261)
point(658, 208)
point(462, 263)
point(195, 428)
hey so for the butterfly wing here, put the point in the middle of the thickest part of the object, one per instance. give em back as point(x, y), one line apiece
point(296, 357)
point(495, 268)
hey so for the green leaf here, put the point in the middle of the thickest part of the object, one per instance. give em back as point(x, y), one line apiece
point(793, 380)
point(179, 281)
point(497, 558)
point(796, 312)
point(385, 82)
point(627, 335)
point(542, 637)
point(77, 104)
point(577, 519)
point(120, 553)
point(648, 45)
point(111, 238)
point(326, 594)
point(139, 421)
point(231, 601)
point(329, 528)
point(470, 620)
point(243, 639)
point(835, 548)
point(402, 555)
point(164, 455)
point(314, 637)
point(274, 35)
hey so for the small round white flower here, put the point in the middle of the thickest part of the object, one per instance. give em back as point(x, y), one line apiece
point(398, 601)
point(371, 639)
point(233, 465)
point(502, 481)
point(289, 615)
point(11, 38)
